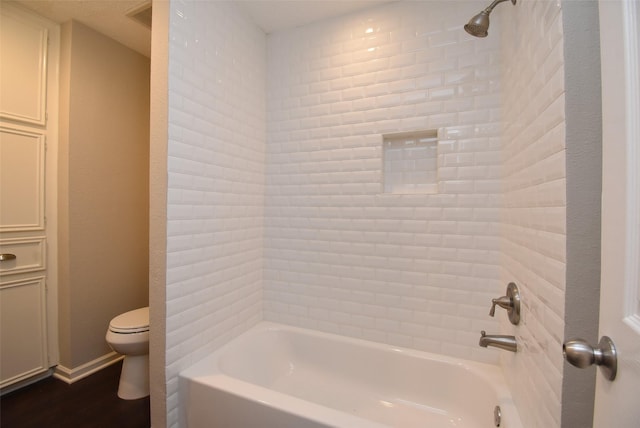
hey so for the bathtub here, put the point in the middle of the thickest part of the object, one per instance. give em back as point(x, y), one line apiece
point(276, 376)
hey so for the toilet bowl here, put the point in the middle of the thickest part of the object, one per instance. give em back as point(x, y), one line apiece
point(128, 334)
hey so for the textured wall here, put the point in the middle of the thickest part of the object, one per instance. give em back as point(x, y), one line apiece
point(103, 188)
point(215, 195)
point(584, 198)
point(534, 213)
point(411, 270)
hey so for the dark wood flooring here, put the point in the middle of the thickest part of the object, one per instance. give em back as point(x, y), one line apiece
point(89, 403)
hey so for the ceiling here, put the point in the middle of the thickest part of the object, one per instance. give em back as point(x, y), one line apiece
point(109, 17)
point(276, 15)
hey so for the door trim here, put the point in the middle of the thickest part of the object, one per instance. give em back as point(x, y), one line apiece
point(632, 275)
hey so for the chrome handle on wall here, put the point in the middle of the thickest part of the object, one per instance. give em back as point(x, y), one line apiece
point(510, 302)
point(580, 354)
point(7, 256)
point(504, 302)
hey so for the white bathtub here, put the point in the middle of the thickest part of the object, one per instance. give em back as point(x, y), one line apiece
point(275, 376)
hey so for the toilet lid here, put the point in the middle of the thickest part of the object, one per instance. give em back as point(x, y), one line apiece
point(131, 322)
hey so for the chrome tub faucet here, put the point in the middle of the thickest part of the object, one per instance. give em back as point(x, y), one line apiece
point(508, 343)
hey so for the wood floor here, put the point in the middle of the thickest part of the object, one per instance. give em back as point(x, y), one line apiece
point(89, 403)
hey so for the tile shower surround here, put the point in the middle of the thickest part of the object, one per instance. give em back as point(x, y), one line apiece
point(215, 195)
point(340, 255)
point(533, 227)
point(317, 244)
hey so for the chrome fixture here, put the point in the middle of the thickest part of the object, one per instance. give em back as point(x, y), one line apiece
point(510, 302)
point(508, 343)
point(478, 26)
point(497, 416)
point(580, 354)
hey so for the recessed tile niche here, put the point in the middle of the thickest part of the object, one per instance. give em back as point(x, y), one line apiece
point(410, 162)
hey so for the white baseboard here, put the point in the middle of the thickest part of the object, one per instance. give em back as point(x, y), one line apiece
point(73, 375)
point(21, 384)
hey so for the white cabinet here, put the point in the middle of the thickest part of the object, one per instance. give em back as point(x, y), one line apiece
point(23, 69)
point(29, 255)
point(21, 180)
point(24, 74)
point(23, 340)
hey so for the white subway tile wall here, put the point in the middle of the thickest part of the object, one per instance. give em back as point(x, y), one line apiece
point(340, 256)
point(533, 229)
point(217, 131)
point(321, 246)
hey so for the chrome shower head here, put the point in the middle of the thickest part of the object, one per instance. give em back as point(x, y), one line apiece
point(478, 26)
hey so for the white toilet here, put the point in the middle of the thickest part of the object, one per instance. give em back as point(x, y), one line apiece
point(128, 334)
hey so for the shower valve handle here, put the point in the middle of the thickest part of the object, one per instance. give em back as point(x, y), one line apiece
point(504, 302)
point(510, 302)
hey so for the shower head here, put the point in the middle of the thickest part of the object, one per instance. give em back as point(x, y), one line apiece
point(478, 26)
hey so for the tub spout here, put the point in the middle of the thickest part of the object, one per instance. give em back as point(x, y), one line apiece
point(508, 343)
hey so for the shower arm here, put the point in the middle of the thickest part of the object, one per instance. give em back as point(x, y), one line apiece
point(494, 4)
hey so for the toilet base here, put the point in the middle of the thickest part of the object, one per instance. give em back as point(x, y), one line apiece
point(134, 378)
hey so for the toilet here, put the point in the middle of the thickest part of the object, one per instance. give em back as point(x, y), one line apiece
point(128, 335)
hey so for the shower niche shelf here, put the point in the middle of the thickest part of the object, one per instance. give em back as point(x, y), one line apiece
point(410, 162)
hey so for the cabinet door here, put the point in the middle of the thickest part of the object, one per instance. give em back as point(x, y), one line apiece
point(23, 69)
point(23, 335)
point(21, 180)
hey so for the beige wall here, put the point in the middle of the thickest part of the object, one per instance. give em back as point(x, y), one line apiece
point(104, 187)
point(158, 212)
